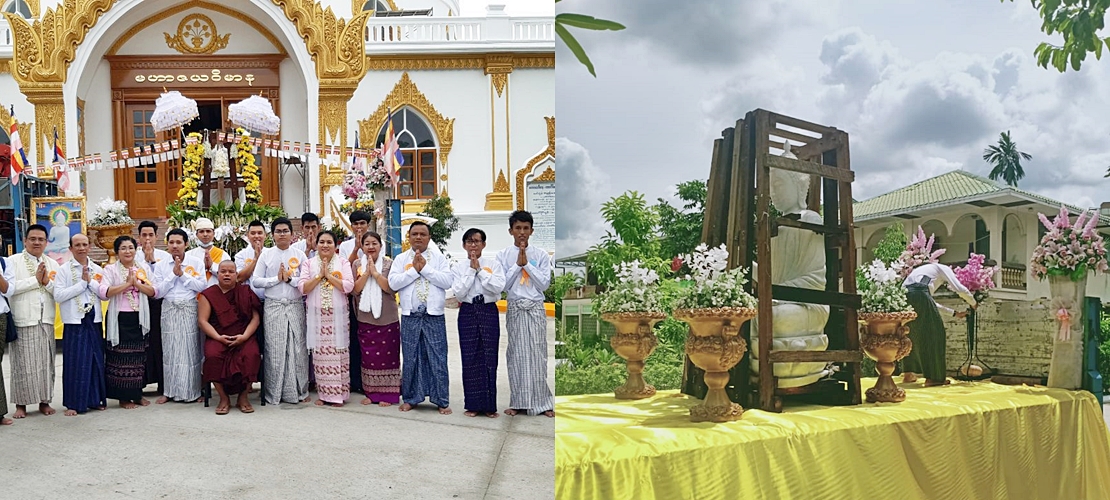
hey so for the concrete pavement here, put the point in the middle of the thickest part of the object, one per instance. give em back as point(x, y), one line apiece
point(181, 450)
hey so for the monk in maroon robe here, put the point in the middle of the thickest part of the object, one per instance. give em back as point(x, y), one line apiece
point(228, 314)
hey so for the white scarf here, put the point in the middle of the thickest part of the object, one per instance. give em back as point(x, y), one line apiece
point(371, 300)
point(112, 323)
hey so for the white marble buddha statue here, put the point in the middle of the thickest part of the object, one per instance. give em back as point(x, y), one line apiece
point(797, 260)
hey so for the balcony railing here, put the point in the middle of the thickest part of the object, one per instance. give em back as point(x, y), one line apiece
point(1013, 276)
point(403, 34)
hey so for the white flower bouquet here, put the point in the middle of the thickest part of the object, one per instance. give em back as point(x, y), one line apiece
point(111, 213)
point(713, 285)
point(881, 289)
point(636, 290)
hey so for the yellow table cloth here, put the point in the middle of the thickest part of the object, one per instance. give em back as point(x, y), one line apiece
point(969, 440)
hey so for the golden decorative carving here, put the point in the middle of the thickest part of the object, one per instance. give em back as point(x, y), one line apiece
point(415, 62)
point(332, 107)
point(330, 175)
point(499, 80)
point(41, 52)
point(200, 4)
point(714, 345)
point(501, 198)
point(547, 176)
point(337, 46)
point(502, 184)
point(412, 207)
point(498, 66)
point(80, 126)
point(634, 341)
point(50, 113)
point(196, 34)
point(535, 160)
point(443, 177)
point(883, 337)
point(5, 66)
point(405, 93)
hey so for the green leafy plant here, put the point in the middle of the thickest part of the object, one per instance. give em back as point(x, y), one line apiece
point(1005, 159)
point(562, 21)
point(230, 221)
point(559, 287)
point(634, 237)
point(1079, 22)
point(439, 208)
point(680, 227)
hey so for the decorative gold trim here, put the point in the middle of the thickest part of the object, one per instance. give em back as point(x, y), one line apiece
point(502, 184)
point(501, 198)
point(195, 28)
point(547, 176)
point(42, 51)
point(498, 66)
point(337, 46)
point(5, 66)
point(356, 6)
point(499, 80)
point(412, 207)
point(415, 62)
point(80, 127)
point(50, 114)
point(36, 7)
point(535, 160)
point(405, 93)
point(35, 202)
point(199, 4)
point(329, 177)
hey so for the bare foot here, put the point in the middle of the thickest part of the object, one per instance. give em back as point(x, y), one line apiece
point(445, 411)
point(319, 402)
point(6, 421)
point(305, 400)
point(101, 408)
point(385, 404)
point(366, 401)
point(337, 405)
point(71, 413)
point(128, 405)
point(511, 412)
point(909, 378)
point(549, 413)
point(493, 415)
point(405, 407)
point(144, 402)
point(45, 409)
point(470, 413)
point(162, 400)
point(20, 411)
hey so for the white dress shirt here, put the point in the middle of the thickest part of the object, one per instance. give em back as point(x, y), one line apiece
point(198, 253)
point(302, 245)
point(538, 269)
point(71, 292)
point(159, 256)
point(435, 279)
point(266, 273)
point(168, 285)
point(31, 304)
point(244, 259)
point(348, 246)
point(488, 280)
point(938, 274)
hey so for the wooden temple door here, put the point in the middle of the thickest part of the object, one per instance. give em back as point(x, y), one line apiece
point(146, 186)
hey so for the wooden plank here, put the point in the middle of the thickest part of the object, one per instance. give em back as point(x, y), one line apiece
point(816, 148)
point(777, 119)
point(767, 379)
point(808, 167)
point(739, 212)
point(715, 223)
point(807, 296)
point(808, 356)
point(843, 160)
point(799, 139)
point(817, 228)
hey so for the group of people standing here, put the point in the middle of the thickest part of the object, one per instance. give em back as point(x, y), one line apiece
point(184, 319)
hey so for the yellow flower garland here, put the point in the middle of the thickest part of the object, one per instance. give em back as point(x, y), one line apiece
point(190, 172)
point(247, 169)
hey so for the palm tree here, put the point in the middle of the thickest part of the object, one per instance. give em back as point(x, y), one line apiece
point(584, 22)
point(1006, 160)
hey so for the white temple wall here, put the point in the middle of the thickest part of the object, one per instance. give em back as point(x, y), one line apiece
point(10, 97)
point(294, 114)
point(531, 98)
point(98, 129)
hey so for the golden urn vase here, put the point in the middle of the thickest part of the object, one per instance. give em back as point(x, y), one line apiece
point(715, 345)
point(883, 337)
point(106, 237)
point(634, 341)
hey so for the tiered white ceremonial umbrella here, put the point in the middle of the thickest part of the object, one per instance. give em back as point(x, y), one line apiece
point(255, 113)
point(173, 110)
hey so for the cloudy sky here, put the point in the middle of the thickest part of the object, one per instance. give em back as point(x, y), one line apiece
point(921, 87)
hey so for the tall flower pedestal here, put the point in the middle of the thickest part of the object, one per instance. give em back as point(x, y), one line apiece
point(1066, 368)
point(634, 341)
point(883, 337)
point(715, 345)
point(106, 237)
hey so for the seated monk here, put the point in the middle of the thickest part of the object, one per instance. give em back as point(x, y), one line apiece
point(228, 315)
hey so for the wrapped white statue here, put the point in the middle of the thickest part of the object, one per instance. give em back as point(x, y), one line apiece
point(797, 260)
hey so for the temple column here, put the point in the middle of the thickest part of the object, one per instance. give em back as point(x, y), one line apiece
point(498, 68)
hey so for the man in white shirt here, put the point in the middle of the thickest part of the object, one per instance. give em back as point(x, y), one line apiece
point(527, 275)
point(5, 324)
point(927, 330)
point(421, 277)
point(148, 235)
point(479, 281)
point(285, 352)
point(310, 226)
point(351, 249)
point(75, 292)
point(30, 277)
point(177, 281)
point(246, 259)
point(206, 251)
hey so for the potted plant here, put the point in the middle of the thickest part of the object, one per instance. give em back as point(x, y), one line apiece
point(979, 280)
point(883, 314)
point(715, 305)
point(1066, 254)
point(633, 306)
point(111, 220)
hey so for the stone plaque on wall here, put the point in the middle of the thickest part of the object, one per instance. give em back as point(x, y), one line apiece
point(539, 200)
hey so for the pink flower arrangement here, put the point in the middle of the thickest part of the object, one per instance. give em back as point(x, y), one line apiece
point(975, 277)
point(1069, 249)
point(354, 184)
point(919, 251)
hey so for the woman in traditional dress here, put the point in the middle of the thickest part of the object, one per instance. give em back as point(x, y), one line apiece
point(326, 280)
point(127, 287)
point(379, 327)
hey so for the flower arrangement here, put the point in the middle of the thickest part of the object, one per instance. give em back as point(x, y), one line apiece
point(111, 213)
point(191, 164)
point(230, 221)
point(636, 290)
point(329, 224)
point(978, 279)
point(881, 288)
point(713, 284)
point(1069, 249)
point(247, 168)
point(218, 155)
point(377, 176)
point(919, 251)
